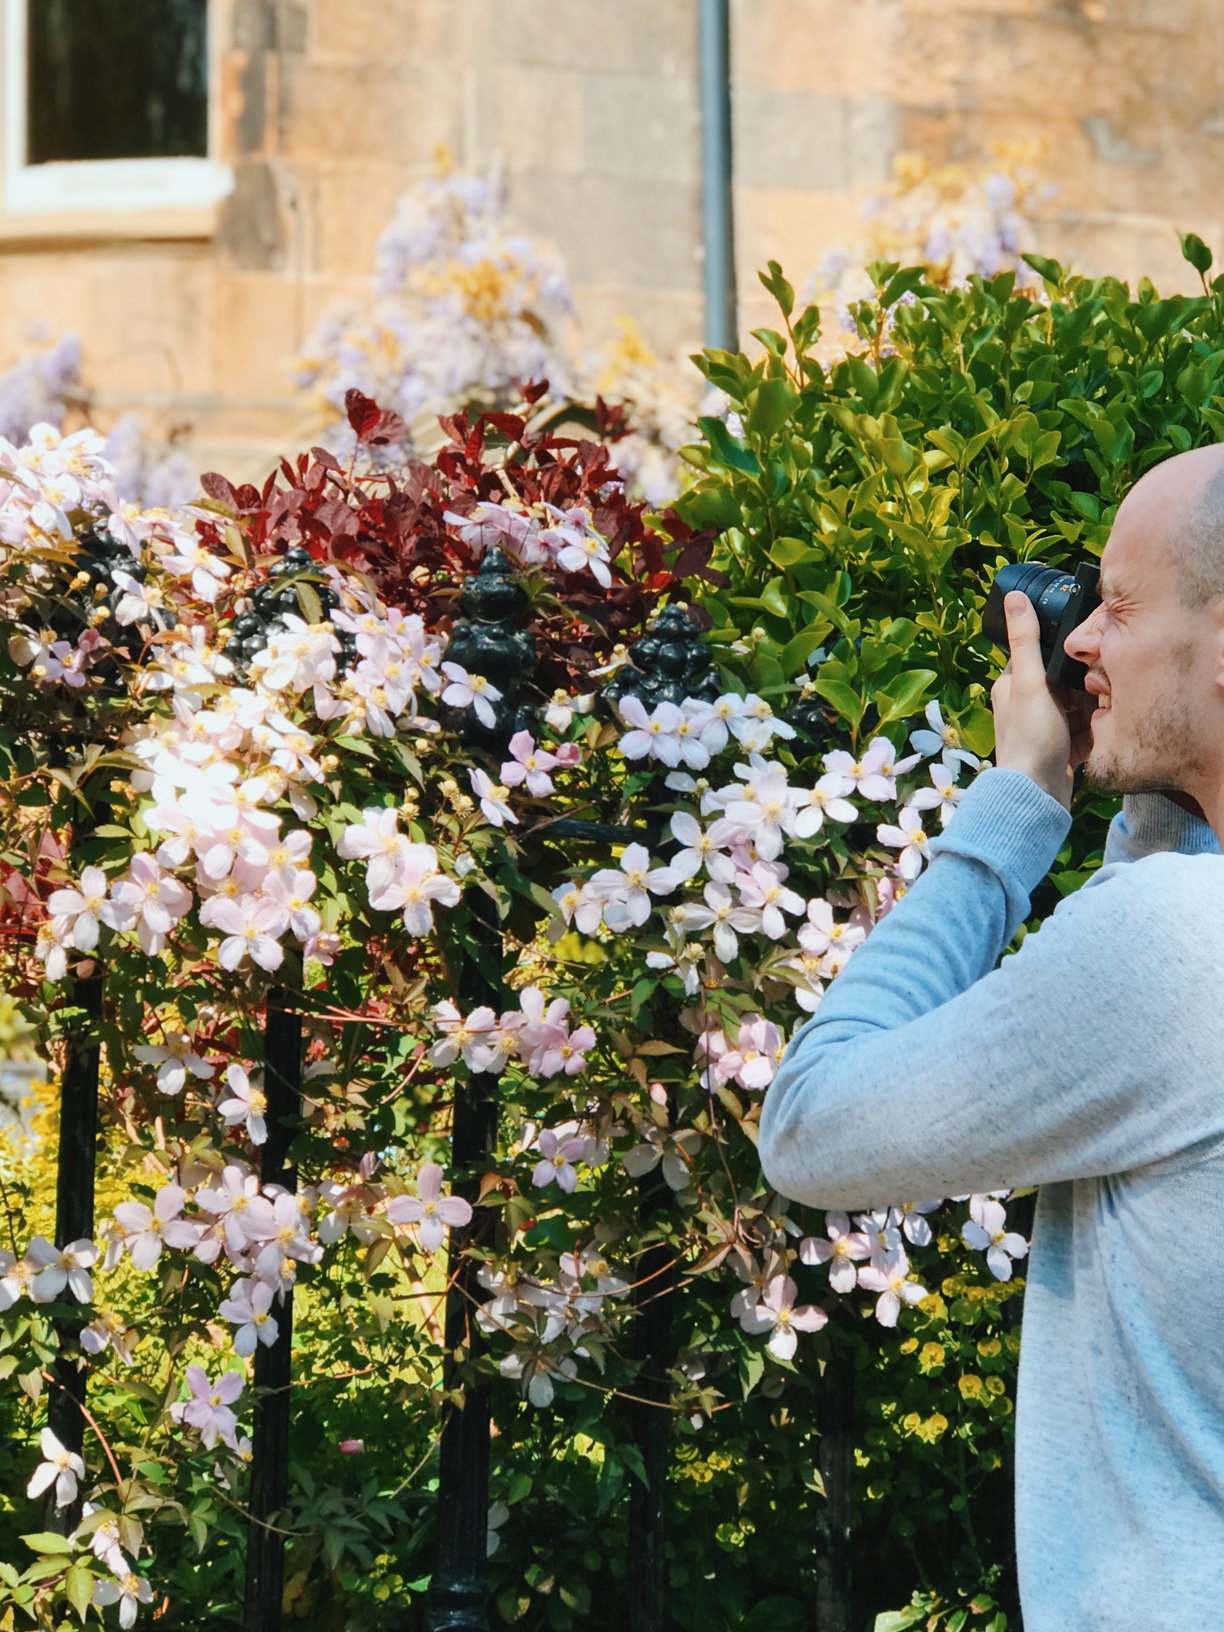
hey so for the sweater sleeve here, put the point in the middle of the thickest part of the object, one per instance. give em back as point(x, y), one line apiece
point(1149, 823)
point(927, 1071)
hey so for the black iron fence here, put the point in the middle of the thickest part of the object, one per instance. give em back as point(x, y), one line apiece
point(458, 1590)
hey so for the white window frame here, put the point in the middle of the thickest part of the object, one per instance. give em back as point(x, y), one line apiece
point(63, 187)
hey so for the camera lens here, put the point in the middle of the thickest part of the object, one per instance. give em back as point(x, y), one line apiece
point(1061, 601)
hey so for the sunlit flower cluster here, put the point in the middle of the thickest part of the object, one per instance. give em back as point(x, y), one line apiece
point(461, 306)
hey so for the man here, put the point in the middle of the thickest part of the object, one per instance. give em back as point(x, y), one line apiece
point(1091, 1063)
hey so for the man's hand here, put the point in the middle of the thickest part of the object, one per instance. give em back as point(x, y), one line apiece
point(1036, 732)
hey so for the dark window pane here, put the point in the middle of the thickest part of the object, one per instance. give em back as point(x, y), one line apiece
point(117, 79)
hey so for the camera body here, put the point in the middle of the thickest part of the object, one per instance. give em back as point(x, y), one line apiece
point(1061, 600)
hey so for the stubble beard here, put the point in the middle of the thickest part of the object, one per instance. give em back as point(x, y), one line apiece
point(1163, 752)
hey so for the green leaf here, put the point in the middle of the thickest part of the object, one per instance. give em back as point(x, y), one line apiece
point(905, 282)
point(752, 1369)
point(725, 450)
point(773, 342)
point(896, 1620)
point(308, 600)
point(789, 552)
point(1196, 252)
point(632, 1458)
point(844, 698)
point(907, 697)
point(778, 287)
point(47, 1541)
point(1053, 274)
point(770, 406)
point(78, 1587)
point(827, 608)
point(800, 647)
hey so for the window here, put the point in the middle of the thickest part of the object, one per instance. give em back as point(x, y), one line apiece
point(107, 106)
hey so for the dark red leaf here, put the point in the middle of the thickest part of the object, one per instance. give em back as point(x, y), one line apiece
point(220, 488)
point(375, 426)
point(362, 411)
point(510, 425)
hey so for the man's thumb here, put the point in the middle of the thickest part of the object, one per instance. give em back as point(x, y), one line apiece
point(1023, 632)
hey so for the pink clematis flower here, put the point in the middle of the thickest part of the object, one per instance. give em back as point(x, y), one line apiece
point(147, 1230)
point(84, 909)
point(470, 1037)
point(758, 1051)
point(943, 794)
point(208, 1408)
point(249, 925)
point(842, 1251)
point(494, 800)
point(557, 1158)
point(651, 735)
point(875, 773)
point(776, 1314)
point(60, 1467)
point(914, 1226)
point(60, 1267)
point(543, 1030)
point(723, 913)
point(174, 1059)
point(943, 739)
point(530, 765)
point(762, 891)
point(249, 1308)
point(890, 1280)
point(291, 892)
point(246, 1106)
point(471, 691)
point(417, 884)
point(431, 1211)
point(580, 906)
point(698, 850)
point(986, 1231)
point(149, 901)
point(228, 1202)
point(767, 819)
point(828, 940)
point(909, 836)
point(129, 1591)
point(626, 893)
point(826, 799)
point(377, 840)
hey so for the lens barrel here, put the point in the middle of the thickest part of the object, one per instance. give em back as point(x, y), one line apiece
point(1061, 600)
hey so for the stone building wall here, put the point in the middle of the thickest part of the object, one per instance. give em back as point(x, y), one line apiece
point(328, 109)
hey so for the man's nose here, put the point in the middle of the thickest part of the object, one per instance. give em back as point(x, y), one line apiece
point(1084, 641)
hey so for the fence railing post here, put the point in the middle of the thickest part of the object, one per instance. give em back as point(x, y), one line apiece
point(457, 1593)
point(835, 1460)
point(650, 1417)
point(489, 641)
point(74, 1219)
point(265, 1562)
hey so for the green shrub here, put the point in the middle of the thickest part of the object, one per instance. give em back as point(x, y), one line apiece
point(862, 513)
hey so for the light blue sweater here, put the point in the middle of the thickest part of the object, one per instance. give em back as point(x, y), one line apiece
point(1092, 1064)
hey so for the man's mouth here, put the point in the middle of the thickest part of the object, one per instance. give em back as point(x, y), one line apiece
point(1099, 693)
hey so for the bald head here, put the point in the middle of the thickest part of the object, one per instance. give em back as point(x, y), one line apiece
point(1178, 507)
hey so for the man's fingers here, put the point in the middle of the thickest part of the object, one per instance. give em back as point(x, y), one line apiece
point(1023, 636)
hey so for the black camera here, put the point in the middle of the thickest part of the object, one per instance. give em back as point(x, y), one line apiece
point(1062, 602)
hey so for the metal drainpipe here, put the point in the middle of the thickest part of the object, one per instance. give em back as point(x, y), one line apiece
point(718, 224)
